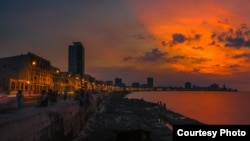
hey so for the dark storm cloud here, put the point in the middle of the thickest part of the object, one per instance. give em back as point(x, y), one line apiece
point(175, 59)
point(197, 37)
point(153, 55)
point(237, 42)
point(127, 58)
point(234, 67)
point(212, 43)
point(234, 38)
point(163, 43)
point(244, 55)
point(179, 58)
point(213, 35)
point(198, 47)
point(178, 38)
point(199, 60)
point(181, 38)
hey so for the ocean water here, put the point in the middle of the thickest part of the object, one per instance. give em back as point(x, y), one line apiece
point(227, 108)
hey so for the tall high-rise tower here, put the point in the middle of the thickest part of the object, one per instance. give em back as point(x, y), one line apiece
point(76, 58)
point(150, 82)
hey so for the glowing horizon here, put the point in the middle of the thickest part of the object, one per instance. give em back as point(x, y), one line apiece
point(199, 41)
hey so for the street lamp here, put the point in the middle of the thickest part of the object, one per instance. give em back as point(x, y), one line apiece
point(28, 82)
point(33, 63)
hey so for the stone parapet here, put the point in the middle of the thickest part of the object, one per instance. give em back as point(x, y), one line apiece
point(59, 121)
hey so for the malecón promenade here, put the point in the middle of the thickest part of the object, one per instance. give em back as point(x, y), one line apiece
point(108, 117)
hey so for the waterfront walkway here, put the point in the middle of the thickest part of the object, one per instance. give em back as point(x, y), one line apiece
point(61, 120)
point(115, 119)
point(14, 115)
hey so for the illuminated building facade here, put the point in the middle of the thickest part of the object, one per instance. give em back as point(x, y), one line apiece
point(31, 74)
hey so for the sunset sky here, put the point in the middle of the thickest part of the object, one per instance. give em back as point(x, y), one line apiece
point(173, 41)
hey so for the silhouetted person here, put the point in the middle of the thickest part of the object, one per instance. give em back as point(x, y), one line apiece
point(43, 100)
point(65, 95)
point(164, 105)
point(82, 97)
point(52, 95)
point(19, 97)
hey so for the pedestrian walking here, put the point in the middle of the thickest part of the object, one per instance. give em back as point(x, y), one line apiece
point(65, 95)
point(19, 97)
point(44, 98)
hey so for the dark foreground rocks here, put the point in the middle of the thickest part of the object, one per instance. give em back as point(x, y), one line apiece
point(122, 119)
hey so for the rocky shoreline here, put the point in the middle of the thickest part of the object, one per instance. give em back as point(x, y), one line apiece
point(119, 118)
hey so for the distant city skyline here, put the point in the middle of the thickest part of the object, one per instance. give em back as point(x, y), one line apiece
point(76, 64)
point(171, 41)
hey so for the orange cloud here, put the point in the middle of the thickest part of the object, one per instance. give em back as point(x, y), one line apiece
point(185, 29)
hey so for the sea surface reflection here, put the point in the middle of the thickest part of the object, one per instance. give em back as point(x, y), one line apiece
point(207, 107)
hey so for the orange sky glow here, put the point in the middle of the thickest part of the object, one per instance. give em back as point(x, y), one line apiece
point(173, 41)
point(196, 23)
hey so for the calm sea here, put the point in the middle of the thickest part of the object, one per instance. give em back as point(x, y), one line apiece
point(207, 107)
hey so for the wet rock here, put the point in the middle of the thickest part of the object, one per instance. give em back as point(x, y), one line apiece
point(132, 119)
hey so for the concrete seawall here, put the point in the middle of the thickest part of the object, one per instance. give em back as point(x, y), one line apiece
point(59, 121)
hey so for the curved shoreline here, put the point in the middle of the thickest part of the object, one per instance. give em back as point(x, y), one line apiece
point(120, 117)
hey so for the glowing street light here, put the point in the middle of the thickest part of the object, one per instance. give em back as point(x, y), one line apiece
point(33, 63)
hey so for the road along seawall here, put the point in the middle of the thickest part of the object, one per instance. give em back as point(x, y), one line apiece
point(59, 121)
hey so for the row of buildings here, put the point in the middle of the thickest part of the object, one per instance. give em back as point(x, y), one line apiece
point(136, 86)
point(149, 84)
point(212, 87)
point(32, 73)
